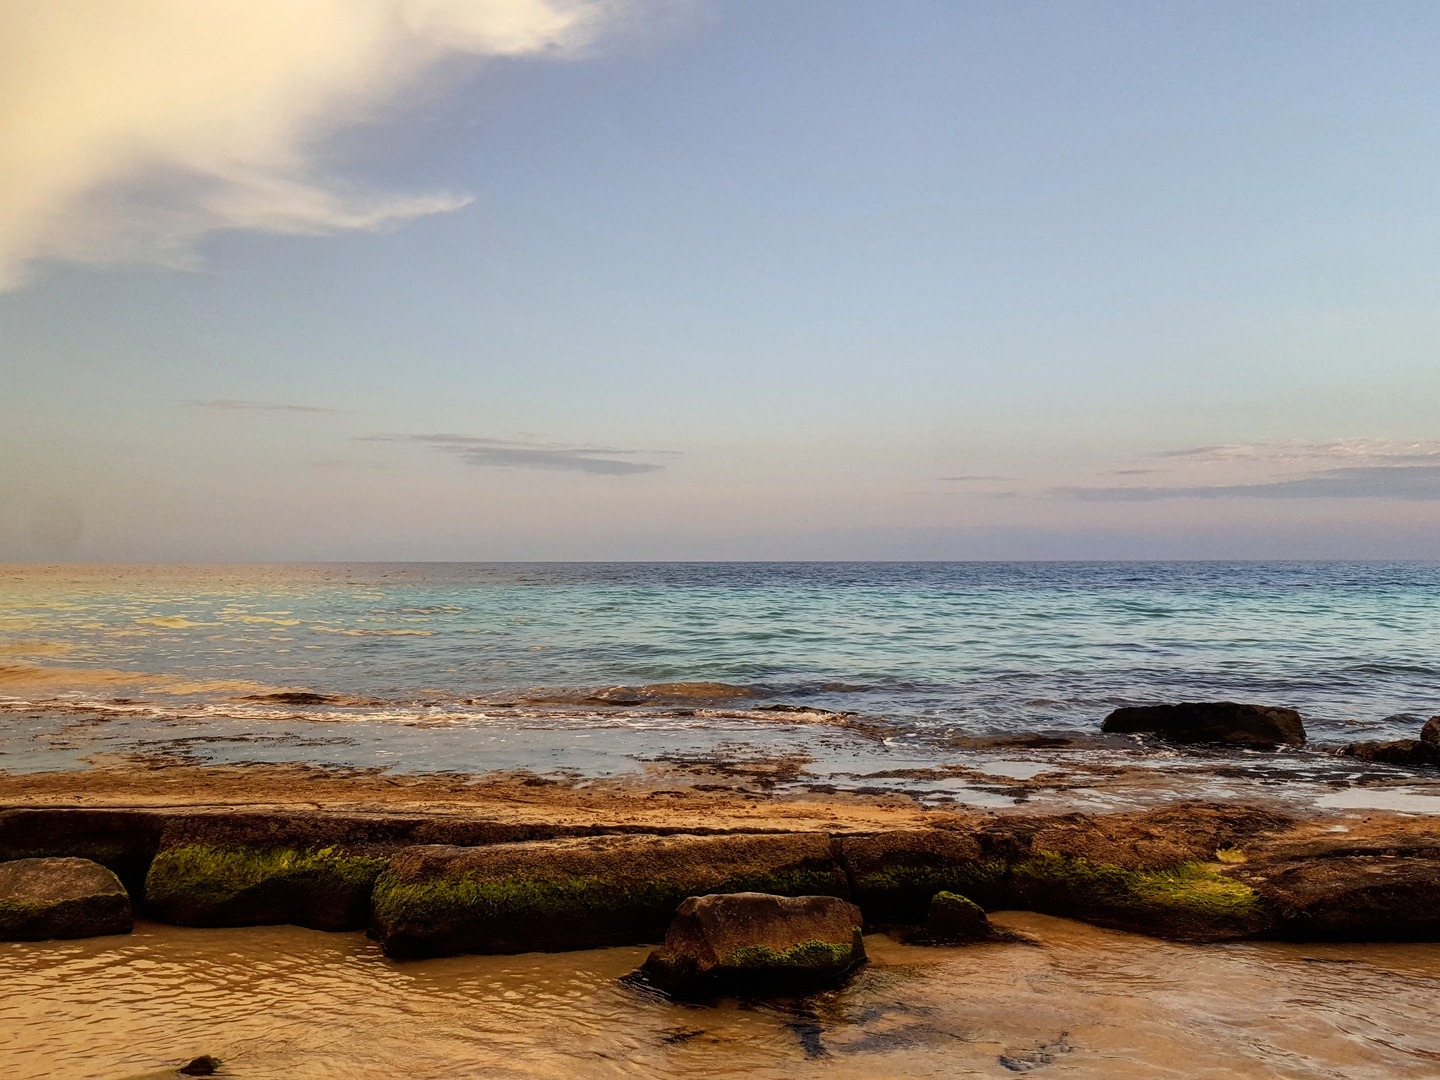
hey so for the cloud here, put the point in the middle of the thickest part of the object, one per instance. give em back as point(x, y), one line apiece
point(968, 479)
point(1417, 483)
point(231, 405)
point(503, 454)
point(131, 129)
point(1349, 451)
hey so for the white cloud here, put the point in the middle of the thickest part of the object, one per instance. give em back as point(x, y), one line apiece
point(129, 129)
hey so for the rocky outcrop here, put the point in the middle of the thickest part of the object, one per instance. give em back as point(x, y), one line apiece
point(309, 868)
point(1210, 722)
point(576, 894)
point(60, 898)
point(757, 944)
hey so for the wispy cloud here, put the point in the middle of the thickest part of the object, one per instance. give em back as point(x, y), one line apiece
point(970, 479)
point(1346, 451)
point(232, 405)
point(507, 454)
point(1416, 483)
point(133, 128)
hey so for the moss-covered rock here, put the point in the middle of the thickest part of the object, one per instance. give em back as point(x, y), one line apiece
point(956, 919)
point(60, 898)
point(1190, 902)
point(213, 885)
point(572, 894)
point(1349, 897)
point(757, 944)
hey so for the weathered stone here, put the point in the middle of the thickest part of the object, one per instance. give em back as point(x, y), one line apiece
point(1395, 752)
point(204, 1065)
point(575, 894)
point(757, 944)
point(122, 840)
point(1357, 897)
point(60, 898)
point(1430, 733)
point(1210, 722)
point(954, 918)
point(309, 868)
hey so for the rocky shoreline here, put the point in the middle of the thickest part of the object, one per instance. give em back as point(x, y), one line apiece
point(429, 882)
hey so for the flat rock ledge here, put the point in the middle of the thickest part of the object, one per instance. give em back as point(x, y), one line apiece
point(583, 893)
point(60, 898)
point(440, 885)
point(756, 944)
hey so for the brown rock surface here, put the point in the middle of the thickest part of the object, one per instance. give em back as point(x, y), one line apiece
point(60, 898)
point(757, 943)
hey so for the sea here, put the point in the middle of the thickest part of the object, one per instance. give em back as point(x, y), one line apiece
point(855, 670)
point(970, 684)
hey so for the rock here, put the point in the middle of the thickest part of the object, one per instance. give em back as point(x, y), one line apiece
point(1210, 722)
point(309, 868)
point(1430, 733)
point(204, 1065)
point(60, 898)
point(895, 874)
point(954, 918)
point(1395, 752)
point(122, 840)
point(1359, 897)
point(577, 894)
point(757, 944)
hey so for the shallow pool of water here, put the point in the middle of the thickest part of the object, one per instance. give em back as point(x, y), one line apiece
point(1083, 1002)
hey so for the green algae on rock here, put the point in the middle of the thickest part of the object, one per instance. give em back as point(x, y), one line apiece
point(216, 885)
point(579, 893)
point(956, 918)
point(60, 898)
point(1190, 902)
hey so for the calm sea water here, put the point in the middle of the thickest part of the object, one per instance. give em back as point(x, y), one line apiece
point(929, 650)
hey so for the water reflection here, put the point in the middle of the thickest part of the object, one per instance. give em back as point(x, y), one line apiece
point(286, 1002)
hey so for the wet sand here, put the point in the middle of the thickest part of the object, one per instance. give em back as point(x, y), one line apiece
point(285, 1002)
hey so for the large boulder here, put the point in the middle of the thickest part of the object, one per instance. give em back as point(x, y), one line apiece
point(438, 900)
point(757, 944)
point(60, 898)
point(1210, 722)
point(123, 840)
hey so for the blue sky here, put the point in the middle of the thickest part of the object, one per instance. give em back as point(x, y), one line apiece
point(733, 280)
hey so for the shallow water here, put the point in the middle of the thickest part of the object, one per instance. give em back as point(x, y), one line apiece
point(856, 671)
point(285, 1002)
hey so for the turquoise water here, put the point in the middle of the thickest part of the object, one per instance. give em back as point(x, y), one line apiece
point(931, 651)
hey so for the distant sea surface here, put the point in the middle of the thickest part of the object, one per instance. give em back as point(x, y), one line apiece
point(931, 652)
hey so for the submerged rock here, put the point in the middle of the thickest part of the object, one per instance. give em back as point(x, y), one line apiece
point(554, 895)
point(60, 898)
point(1210, 722)
point(895, 874)
point(204, 1065)
point(757, 943)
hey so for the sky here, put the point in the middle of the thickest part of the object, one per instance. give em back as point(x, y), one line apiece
point(718, 279)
